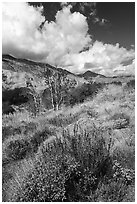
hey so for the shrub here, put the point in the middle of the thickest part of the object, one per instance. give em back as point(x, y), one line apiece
point(18, 129)
point(16, 149)
point(75, 167)
point(121, 120)
point(43, 184)
point(115, 188)
point(111, 191)
point(67, 168)
point(39, 137)
point(79, 94)
point(18, 146)
point(89, 148)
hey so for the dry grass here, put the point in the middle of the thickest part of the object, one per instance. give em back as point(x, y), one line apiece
point(82, 136)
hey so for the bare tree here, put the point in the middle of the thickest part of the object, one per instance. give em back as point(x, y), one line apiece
point(49, 80)
point(34, 95)
point(57, 86)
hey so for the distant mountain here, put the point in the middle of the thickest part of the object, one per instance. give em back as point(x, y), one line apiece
point(88, 75)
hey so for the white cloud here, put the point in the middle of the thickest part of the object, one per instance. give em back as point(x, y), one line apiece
point(60, 42)
point(128, 69)
point(22, 38)
point(102, 58)
point(67, 35)
point(19, 29)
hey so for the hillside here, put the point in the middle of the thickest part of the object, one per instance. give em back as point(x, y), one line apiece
point(65, 138)
point(17, 73)
point(80, 153)
point(35, 68)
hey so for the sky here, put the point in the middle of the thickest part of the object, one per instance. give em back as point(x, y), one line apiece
point(99, 37)
point(121, 27)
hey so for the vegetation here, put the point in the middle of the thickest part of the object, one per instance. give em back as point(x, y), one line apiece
point(58, 85)
point(79, 94)
point(83, 152)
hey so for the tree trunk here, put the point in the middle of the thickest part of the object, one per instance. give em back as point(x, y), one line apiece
point(51, 94)
point(57, 106)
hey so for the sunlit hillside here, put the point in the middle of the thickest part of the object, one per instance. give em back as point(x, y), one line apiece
point(81, 152)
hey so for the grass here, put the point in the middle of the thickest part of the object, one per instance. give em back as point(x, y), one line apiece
point(78, 154)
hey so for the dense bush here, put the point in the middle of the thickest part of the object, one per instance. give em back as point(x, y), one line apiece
point(110, 191)
point(12, 97)
point(75, 168)
point(17, 147)
point(21, 128)
point(79, 94)
point(68, 169)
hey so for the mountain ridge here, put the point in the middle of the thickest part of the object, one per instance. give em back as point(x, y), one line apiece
point(18, 73)
point(89, 74)
point(86, 75)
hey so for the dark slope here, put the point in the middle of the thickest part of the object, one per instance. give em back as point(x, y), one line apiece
point(88, 75)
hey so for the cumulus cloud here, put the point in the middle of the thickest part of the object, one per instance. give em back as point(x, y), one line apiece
point(68, 34)
point(22, 37)
point(127, 70)
point(59, 43)
point(102, 58)
point(90, 9)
